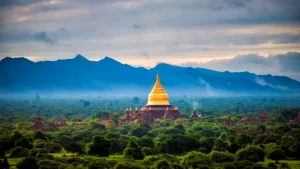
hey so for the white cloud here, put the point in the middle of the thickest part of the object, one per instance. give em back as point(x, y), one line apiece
point(173, 31)
point(262, 82)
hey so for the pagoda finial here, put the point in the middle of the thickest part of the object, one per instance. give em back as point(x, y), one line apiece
point(130, 108)
point(194, 107)
point(157, 75)
point(136, 109)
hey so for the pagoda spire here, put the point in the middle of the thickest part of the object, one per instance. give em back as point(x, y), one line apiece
point(158, 95)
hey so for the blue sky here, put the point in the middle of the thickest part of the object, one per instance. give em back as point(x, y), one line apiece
point(145, 32)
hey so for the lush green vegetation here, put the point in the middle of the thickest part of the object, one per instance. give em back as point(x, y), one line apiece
point(187, 143)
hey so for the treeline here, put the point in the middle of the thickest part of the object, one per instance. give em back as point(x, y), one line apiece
point(168, 144)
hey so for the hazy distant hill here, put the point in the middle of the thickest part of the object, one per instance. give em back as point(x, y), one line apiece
point(80, 75)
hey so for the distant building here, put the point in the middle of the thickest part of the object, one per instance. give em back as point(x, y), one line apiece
point(60, 123)
point(108, 121)
point(194, 114)
point(37, 126)
point(297, 120)
point(157, 107)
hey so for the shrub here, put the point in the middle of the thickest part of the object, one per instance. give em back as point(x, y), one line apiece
point(148, 151)
point(228, 166)
point(2, 152)
point(27, 162)
point(195, 160)
point(162, 164)
point(19, 152)
point(37, 151)
point(169, 157)
point(251, 153)
point(176, 166)
point(284, 166)
point(149, 160)
point(100, 146)
point(133, 151)
point(180, 144)
point(1, 164)
point(53, 147)
point(242, 164)
point(257, 166)
point(23, 142)
point(39, 135)
point(272, 165)
point(221, 157)
point(98, 164)
point(49, 164)
point(276, 155)
point(127, 165)
point(202, 150)
point(39, 143)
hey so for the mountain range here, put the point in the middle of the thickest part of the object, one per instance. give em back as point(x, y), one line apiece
point(20, 75)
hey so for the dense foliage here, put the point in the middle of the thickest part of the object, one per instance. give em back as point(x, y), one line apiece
point(186, 143)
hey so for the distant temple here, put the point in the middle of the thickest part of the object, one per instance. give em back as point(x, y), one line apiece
point(37, 126)
point(229, 122)
point(250, 119)
point(60, 123)
point(109, 121)
point(158, 107)
point(297, 120)
point(194, 114)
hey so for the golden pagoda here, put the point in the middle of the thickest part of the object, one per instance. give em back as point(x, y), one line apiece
point(158, 95)
point(158, 105)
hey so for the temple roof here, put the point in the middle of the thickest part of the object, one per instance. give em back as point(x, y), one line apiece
point(194, 114)
point(158, 95)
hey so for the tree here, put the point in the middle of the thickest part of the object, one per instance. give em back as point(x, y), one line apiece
point(28, 162)
point(221, 157)
point(208, 143)
point(19, 152)
point(23, 142)
point(48, 164)
point(162, 147)
point(53, 147)
point(139, 131)
point(284, 166)
point(1, 164)
point(100, 146)
point(272, 166)
point(127, 165)
point(195, 159)
point(251, 153)
point(2, 152)
point(39, 143)
point(162, 164)
point(39, 135)
point(179, 144)
point(133, 151)
point(74, 148)
point(148, 150)
point(276, 155)
point(243, 139)
point(99, 164)
point(220, 145)
point(145, 141)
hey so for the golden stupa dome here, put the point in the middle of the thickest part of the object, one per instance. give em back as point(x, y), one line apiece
point(158, 95)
